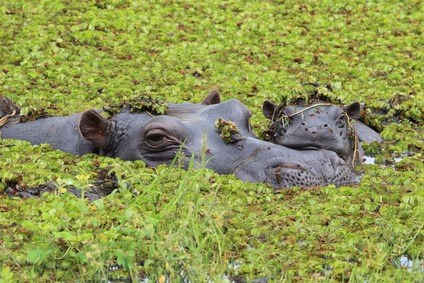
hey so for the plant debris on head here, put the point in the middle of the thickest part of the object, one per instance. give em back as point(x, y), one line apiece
point(228, 130)
point(312, 93)
point(309, 95)
point(140, 103)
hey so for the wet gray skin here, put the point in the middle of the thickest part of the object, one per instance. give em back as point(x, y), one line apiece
point(320, 126)
point(189, 129)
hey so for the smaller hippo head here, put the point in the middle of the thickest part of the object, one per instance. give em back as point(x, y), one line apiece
point(318, 126)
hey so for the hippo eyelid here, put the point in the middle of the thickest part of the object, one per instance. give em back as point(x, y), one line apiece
point(155, 135)
point(159, 140)
point(162, 135)
point(169, 128)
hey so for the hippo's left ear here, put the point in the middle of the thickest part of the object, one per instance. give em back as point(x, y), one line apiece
point(212, 98)
point(95, 128)
point(353, 110)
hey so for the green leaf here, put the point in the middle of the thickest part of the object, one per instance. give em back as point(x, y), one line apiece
point(37, 255)
point(29, 225)
point(65, 235)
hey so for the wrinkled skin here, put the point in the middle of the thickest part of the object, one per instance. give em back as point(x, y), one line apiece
point(322, 126)
point(189, 129)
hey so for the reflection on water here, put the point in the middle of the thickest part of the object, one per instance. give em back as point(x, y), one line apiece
point(396, 158)
point(369, 160)
point(409, 264)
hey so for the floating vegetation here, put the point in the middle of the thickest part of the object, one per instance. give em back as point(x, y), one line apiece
point(397, 109)
point(69, 56)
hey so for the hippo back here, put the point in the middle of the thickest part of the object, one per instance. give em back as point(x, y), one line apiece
point(60, 132)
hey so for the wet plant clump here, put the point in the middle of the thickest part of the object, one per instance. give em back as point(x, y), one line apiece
point(311, 93)
point(138, 104)
point(228, 131)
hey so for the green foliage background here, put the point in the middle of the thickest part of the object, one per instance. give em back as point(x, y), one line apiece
point(69, 56)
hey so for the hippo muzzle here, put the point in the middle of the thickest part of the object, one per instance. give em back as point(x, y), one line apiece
point(283, 167)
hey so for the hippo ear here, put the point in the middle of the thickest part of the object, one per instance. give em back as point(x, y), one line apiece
point(95, 129)
point(268, 108)
point(212, 98)
point(353, 110)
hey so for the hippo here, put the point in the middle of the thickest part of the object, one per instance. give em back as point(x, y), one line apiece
point(191, 132)
point(320, 126)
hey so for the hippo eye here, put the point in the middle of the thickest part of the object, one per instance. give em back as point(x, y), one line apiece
point(282, 132)
point(341, 121)
point(163, 133)
point(156, 137)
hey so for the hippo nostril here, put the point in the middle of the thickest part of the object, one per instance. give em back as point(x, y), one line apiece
point(303, 124)
point(288, 165)
point(306, 129)
point(325, 125)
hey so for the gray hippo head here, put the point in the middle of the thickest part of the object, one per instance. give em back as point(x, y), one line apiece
point(317, 126)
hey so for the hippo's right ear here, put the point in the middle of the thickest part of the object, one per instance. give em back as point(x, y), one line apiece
point(353, 110)
point(95, 128)
point(213, 98)
point(268, 108)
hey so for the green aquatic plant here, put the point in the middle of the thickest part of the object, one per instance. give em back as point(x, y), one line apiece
point(168, 224)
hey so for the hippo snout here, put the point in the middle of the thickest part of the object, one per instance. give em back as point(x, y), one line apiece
point(306, 136)
point(283, 167)
point(314, 130)
point(287, 174)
